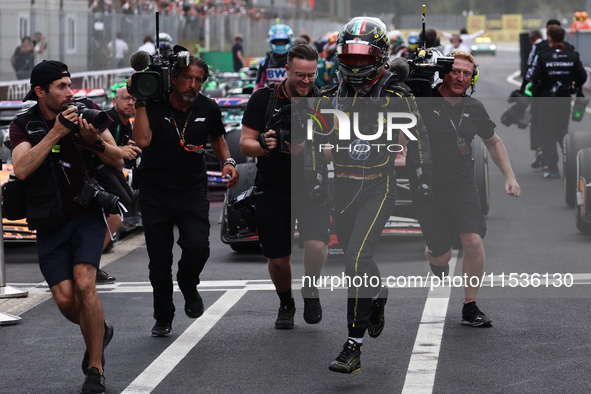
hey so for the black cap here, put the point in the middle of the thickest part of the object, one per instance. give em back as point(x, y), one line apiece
point(44, 73)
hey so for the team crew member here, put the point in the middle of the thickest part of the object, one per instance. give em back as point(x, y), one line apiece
point(365, 180)
point(452, 120)
point(70, 237)
point(556, 72)
point(538, 46)
point(272, 67)
point(173, 185)
point(284, 190)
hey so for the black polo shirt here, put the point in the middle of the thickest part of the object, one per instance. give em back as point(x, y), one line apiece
point(166, 165)
point(441, 119)
point(274, 170)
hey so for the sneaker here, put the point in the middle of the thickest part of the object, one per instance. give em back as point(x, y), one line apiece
point(312, 307)
point(103, 277)
point(538, 158)
point(349, 360)
point(377, 320)
point(194, 309)
point(472, 316)
point(94, 382)
point(439, 270)
point(285, 317)
point(162, 329)
point(550, 174)
point(108, 335)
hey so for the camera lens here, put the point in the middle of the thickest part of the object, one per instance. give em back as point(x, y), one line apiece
point(96, 117)
point(147, 84)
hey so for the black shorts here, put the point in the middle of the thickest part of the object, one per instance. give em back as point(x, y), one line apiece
point(457, 213)
point(79, 240)
point(276, 223)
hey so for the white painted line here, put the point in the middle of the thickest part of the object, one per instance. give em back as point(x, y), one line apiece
point(420, 376)
point(511, 78)
point(174, 354)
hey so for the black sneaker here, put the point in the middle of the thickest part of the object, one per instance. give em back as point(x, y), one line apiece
point(439, 270)
point(349, 360)
point(285, 317)
point(104, 278)
point(538, 158)
point(194, 308)
point(312, 307)
point(94, 382)
point(162, 329)
point(377, 320)
point(108, 335)
point(472, 316)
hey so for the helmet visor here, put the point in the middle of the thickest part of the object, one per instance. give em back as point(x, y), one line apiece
point(357, 60)
point(359, 49)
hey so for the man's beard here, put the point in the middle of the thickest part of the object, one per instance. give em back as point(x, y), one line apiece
point(188, 99)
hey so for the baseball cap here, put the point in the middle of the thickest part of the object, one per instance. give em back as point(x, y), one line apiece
point(46, 72)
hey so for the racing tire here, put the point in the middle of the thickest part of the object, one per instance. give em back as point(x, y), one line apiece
point(582, 199)
point(480, 155)
point(248, 172)
point(233, 141)
point(573, 142)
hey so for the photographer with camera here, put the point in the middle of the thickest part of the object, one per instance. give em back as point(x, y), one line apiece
point(121, 113)
point(557, 74)
point(365, 180)
point(52, 148)
point(281, 192)
point(453, 120)
point(172, 131)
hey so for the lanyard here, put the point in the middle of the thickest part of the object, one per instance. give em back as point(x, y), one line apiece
point(460, 142)
point(452, 122)
point(187, 147)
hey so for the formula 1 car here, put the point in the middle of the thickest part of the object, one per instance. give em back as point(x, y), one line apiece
point(232, 111)
point(583, 199)
point(571, 145)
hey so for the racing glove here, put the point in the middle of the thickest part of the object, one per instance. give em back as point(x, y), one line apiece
point(425, 192)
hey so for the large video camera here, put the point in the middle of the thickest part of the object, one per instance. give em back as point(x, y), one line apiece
point(152, 79)
point(423, 64)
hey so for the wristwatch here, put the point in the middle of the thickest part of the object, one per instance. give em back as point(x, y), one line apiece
point(229, 160)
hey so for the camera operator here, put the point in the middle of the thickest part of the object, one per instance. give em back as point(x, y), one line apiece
point(274, 218)
point(173, 185)
point(121, 113)
point(452, 120)
point(365, 180)
point(558, 72)
point(56, 165)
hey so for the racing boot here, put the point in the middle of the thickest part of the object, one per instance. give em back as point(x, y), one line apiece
point(349, 360)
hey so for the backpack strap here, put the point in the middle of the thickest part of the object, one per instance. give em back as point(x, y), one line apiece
point(272, 102)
